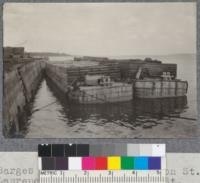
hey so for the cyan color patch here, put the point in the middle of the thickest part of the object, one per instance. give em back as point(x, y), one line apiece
point(141, 163)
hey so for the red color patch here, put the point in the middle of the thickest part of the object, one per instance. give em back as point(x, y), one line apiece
point(101, 163)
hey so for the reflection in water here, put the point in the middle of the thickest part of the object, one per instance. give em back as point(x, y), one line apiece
point(139, 112)
point(134, 119)
point(161, 107)
point(127, 114)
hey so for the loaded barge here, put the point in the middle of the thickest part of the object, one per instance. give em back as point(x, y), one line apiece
point(100, 89)
point(116, 80)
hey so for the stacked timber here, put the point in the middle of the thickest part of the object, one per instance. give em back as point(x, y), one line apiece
point(13, 97)
point(153, 69)
point(31, 74)
point(157, 69)
point(118, 71)
point(67, 75)
point(79, 73)
point(58, 75)
point(10, 52)
point(20, 86)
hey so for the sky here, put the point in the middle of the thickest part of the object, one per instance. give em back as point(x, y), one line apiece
point(102, 29)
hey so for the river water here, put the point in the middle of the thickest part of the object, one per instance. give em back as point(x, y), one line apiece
point(158, 118)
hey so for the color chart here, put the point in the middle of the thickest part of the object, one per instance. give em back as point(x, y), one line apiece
point(102, 163)
point(101, 157)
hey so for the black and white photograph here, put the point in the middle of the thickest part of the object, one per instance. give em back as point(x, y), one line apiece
point(100, 70)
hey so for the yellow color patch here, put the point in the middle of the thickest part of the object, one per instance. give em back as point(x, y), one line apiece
point(114, 163)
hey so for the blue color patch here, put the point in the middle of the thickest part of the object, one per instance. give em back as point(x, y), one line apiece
point(154, 163)
point(141, 163)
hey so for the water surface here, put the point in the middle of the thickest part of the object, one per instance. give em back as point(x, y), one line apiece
point(158, 118)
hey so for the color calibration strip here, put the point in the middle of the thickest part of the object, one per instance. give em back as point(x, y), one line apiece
point(101, 163)
point(95, 150)
point(101, 157)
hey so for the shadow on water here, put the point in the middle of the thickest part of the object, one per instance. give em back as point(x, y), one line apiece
point(138, 112)
point(25, 114)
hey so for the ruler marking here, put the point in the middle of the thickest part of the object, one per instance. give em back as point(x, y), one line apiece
point(102, 177)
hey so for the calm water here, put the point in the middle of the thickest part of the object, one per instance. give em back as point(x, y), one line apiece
point(161, 118)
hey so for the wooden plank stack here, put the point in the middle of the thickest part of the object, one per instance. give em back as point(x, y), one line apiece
point(79, 73)
point(129, 69)
point(20, 86)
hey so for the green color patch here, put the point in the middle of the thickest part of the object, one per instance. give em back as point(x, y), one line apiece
point(127, 163)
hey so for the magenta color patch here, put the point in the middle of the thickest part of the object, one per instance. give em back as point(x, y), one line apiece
point(88, 163)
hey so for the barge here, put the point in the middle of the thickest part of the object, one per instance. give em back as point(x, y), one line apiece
point(157, 88)
point(117, 81)
point(100, 89)
point(165, 86)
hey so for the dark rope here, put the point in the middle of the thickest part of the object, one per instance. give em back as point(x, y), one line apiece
point(44, 106)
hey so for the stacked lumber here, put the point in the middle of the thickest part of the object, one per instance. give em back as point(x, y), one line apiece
point(79, 73)
point(129, 69)
point(20, 86)
point(58, 76)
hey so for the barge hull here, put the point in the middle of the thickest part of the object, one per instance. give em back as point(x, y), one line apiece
point(160, 89)
point(99, 94)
